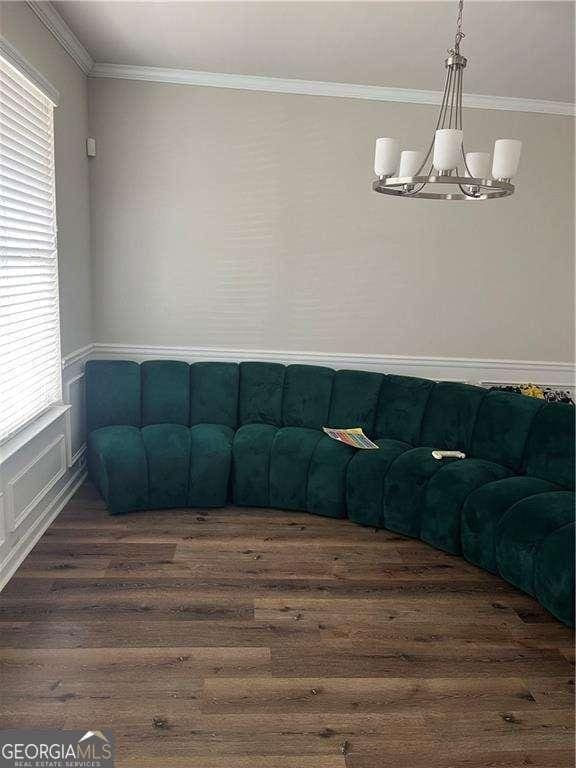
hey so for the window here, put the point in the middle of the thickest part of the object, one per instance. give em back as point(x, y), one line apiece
point(30, 366)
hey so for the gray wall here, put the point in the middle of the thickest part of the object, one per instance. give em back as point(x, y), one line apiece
point(24, 30)
point(246, 219)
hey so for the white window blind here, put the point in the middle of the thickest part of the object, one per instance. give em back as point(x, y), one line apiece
point(30, 367)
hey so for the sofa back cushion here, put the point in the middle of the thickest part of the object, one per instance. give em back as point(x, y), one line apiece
point(165, 392)
point(112, 393)
point(306, 400)
point(214, 393)
point(401, 406)
point(502, 427)
point(261, 386)
point(450, 415)
point(550, 448)
point(354, 400)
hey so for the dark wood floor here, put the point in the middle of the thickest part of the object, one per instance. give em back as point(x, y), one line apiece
point(246, 638)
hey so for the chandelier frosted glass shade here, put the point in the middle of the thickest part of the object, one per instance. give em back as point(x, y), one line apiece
point(410, 162)
point(386, 157)
point(446, 171)
point(478, 164)
point(506, 158)
point(447, 149)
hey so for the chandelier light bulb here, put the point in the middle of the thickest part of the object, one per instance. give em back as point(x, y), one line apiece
point(478, 164)
point(411, 161)
point(386, 157)
point(506, 158)
point(447, 149)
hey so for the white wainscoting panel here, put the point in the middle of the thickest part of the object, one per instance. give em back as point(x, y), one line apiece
point(42, 466)
point(75, 396)
point(21, 547)
point(27, 489)
point(2, 522)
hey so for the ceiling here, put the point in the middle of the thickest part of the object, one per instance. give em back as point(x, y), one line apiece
point(515, 48)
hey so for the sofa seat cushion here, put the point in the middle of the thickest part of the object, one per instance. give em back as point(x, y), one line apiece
point(554, 573)
point(168, 454)
point(326, 487)
point(445, 494)
point(118, 467)
point(483, 510)
point(365, 481)
point(290, 457)
point(522, 531)
point(549, 452)
point(251, 451)
point(210, 464)
point(404, 487)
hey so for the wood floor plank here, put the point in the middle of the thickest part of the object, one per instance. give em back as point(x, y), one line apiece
point(521, 758)
point(76, 549)
point(51, 566)
point(111, 606)
point(235, 761)
point(447, 660)
point(120, 633)
point(254, 638)
point(150, 577)
point(363, 695)
point(552, 692)
point(377, 612)
point(129, 664)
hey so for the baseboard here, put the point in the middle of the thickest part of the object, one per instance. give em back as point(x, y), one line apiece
point(553, 374)
point(14, 559)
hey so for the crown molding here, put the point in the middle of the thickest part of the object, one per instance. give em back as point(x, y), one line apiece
point(19, 62)
point(321, 88)
point(52, 20)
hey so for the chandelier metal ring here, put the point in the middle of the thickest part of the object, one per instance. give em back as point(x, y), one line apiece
point(476, 189)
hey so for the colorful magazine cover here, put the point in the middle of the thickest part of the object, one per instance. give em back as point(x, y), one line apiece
point(354, 437)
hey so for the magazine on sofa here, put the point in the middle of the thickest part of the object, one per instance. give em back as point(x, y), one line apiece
point(354, 437)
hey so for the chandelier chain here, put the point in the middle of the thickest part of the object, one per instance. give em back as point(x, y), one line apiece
point(459, 33)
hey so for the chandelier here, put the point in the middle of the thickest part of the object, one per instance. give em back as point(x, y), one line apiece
point(453, 173)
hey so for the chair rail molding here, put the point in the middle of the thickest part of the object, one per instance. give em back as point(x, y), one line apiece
point(553, 374)
point(77, 356)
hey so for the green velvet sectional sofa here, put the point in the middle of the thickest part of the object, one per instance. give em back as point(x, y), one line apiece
point(168, 434)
